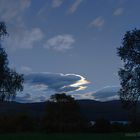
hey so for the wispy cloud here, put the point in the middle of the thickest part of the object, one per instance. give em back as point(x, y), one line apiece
point(118, 12)
point(20, 36)
point(57, 3)
point(12, 8)
point(24, 38)
point(97, 22)
point(74, 6)
point(60, 43)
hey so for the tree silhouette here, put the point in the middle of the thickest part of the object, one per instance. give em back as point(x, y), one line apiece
point(10, 80)
point(62, 98)
point(3, 31)
point(130, 73)
point(63, 115)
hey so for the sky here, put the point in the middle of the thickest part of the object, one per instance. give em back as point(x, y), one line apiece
point(67, 45)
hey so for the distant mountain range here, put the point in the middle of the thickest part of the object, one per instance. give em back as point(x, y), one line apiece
point(110, 110)
point(91, 109)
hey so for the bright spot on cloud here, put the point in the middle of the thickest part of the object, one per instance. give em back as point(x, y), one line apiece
point(80, 83)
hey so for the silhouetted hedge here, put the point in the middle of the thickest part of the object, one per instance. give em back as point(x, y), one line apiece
point(25, 123)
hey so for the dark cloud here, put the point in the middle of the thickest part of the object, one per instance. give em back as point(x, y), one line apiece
point(104, 94)
point(29, 98)
point(38, 87)
point(56, 81)
point(107, 93)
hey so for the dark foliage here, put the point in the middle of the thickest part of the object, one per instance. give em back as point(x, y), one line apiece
point(19, 123)
point(102, 125)
point(10, 80)
point(26, 123)
point(129, 53)
point(3, 31)
point(63, 115)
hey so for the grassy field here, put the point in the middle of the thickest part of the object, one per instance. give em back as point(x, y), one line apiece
point(40, 136)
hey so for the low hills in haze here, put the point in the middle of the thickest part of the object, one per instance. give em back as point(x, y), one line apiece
point(91, 109)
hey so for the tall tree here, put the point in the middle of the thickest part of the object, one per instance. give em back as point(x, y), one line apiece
point(129, 53)
point(10, 80)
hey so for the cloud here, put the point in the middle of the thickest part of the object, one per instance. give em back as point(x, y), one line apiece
point(57, 3)
point(56, 81)
point(104, 94)
point(83, 96)
point(23, 38)
point(60, 43)
point(118, 12)
point(20, 36)
point(12, 8)
point(74, 6)
point(107, 93)
point(28, 98)
point(36, 91)
point(98, 22)
point(39, 87)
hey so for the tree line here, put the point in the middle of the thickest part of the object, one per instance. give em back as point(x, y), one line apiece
point(62, 115)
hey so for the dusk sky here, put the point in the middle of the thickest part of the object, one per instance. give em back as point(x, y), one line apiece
point(67, 45)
